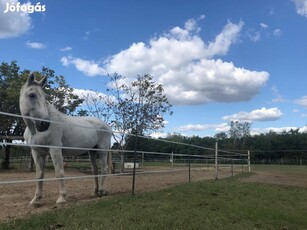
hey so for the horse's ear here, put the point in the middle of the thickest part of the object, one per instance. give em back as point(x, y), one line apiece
point(43, 82)
point(31, 79)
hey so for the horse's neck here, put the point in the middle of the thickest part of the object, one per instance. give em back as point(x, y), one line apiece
point(54, 114)
point(31, 126)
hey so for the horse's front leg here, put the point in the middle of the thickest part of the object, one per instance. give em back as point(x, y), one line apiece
point(57, 159)
point(39, 161)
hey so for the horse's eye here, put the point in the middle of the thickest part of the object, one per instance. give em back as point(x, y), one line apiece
point(32, 95)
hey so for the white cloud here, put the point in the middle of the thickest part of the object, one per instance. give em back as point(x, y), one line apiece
point(223, 127)
point(271, 12)
point(86, 35)
point(91, 96)
point(254, 35)
point(262, 114)
point(67, 48)
point(184, 63)
point(89, 68)
point(301, 7)
point(278, 96)
point(35, 45)
point(13, 24)
point(157, 135)
point(84, 93)
point(225, 39)
point(277, 32)
point(302, 101)
point(303, 129)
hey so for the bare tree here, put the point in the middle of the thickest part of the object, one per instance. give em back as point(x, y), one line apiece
point(138, 106)
point(239, 131)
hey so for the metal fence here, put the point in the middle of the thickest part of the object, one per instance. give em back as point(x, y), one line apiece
point(213, 158)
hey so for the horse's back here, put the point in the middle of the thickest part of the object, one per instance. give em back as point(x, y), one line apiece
point(86, 132)
point(91, 123)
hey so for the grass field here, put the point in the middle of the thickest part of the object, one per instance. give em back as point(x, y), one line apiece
point(223, 204)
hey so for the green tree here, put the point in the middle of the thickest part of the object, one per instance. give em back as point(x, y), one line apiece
point(11, 79)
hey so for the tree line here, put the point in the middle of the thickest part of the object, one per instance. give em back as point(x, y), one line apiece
point(264, 147)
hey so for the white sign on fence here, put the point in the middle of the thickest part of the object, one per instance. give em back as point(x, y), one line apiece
point(130, 165)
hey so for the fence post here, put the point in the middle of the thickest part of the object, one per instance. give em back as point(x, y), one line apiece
point(249, 160)
point(134, 161)
point(20, 164)
point(216, 160)
point(189, 163)
point(232, 167)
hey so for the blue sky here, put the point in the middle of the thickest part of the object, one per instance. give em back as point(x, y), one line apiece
point(218, 60)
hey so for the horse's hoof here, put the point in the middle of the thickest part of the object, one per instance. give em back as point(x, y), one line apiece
point(60, 201)
point(102, 193)
point(35, 204)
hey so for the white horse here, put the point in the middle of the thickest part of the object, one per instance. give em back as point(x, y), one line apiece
point(33, 103)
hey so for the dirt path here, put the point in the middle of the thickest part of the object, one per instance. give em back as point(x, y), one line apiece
point(14, 198)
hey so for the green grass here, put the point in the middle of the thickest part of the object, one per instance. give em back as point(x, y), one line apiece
point(222, 204)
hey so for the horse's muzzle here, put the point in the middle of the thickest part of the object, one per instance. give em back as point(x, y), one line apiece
point(42, 126)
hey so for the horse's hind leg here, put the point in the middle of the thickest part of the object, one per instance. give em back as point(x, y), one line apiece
point(93, 155)
point(39, 161)
point(104, 167)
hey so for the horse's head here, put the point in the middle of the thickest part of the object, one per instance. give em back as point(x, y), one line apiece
point(33, 103)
